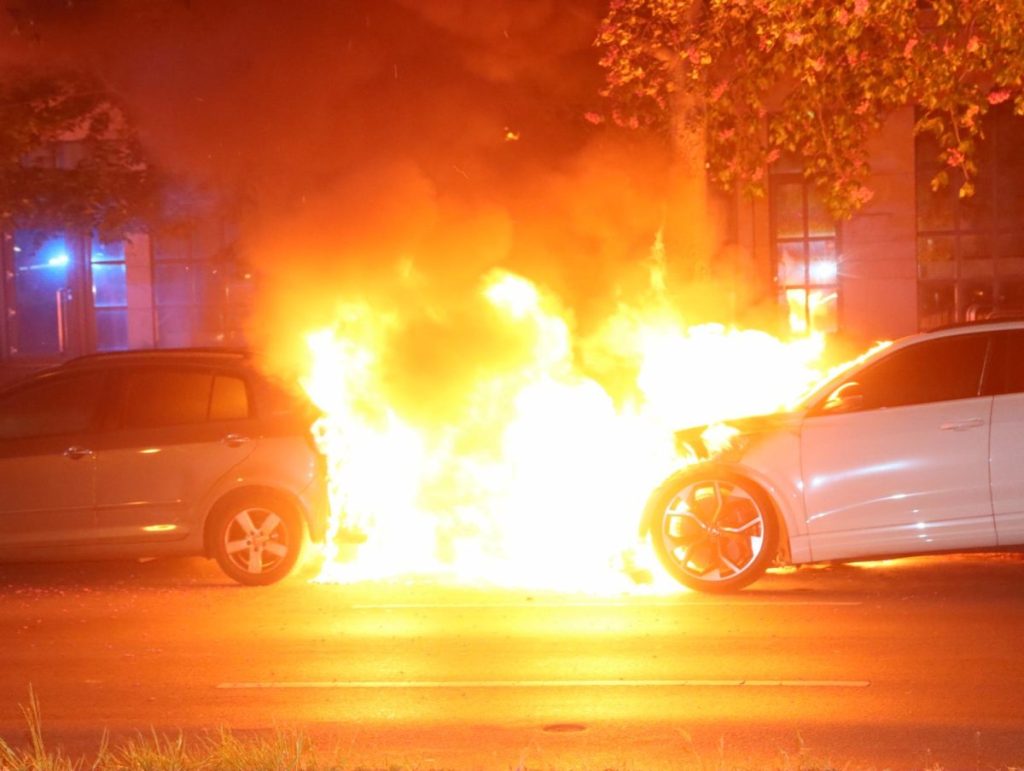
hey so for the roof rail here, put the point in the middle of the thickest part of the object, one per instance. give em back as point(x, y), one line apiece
point(237, 352)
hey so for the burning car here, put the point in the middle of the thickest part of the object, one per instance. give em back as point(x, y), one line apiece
point(915, 449)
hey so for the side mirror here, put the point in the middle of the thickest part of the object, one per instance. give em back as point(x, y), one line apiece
point(847, 398)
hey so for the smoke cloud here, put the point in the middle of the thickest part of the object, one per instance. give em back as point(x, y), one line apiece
point(393, 152)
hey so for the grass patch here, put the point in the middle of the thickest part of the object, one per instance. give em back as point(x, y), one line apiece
point(284, 750)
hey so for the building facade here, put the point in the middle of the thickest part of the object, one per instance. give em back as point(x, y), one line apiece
point(913, 258)
point(68, 293)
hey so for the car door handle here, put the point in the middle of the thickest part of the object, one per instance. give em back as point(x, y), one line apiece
point(77, 453)
point(962, 425)
point(235, 440)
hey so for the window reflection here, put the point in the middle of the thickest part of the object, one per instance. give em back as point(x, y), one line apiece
point(807, 260)
point(109, 294)
point(970, 251)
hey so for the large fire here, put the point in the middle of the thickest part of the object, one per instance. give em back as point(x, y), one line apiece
point(541, 480)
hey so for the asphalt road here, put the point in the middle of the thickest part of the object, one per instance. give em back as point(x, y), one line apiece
point(904, 665)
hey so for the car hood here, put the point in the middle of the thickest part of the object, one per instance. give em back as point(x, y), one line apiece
point(729, 437)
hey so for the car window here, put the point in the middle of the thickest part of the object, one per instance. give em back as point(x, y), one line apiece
point(1006, 374)
point(230, 399)
point(932, 371)
point(60, 405)
point(154, 398)
point(276, 401)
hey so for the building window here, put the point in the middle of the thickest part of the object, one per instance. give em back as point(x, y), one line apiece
point(109, 295)
point(970, 251)
point(40, 270)
point(804, 244)
point(201, 292)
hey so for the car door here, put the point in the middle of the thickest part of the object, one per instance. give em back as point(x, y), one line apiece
point(896, 461)
point(1007, 387)
point(47, 460)
point(176, 432)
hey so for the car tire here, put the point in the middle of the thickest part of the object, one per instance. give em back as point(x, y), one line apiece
point(714, 531)
point(256, 538)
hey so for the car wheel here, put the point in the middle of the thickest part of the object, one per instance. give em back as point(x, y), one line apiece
point(714, 531)
point(256, 539)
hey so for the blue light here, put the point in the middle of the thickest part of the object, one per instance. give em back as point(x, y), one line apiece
point(59, 260)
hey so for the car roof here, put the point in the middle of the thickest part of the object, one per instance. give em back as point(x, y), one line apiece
point(160, 355)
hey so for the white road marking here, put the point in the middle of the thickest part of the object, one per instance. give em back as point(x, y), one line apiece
point(450, 684)
point(556, 605)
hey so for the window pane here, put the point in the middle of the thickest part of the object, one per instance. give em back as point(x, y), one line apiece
point(174, 327)
point(796, 305)
point(55, 406)
point(823, 266)
point(976, 210)
point(932, 371)
point(935, 256)
point(789, 210)
point(230, 400)
point(1010, 191)
point(824, 310)
point(976, 300)
point(1011, 295)
point(1008, 366)
point(209, 280)
point(819, 221)
point(165, 398)
point(1010, 254)
point(174, 284)
point(171, 247)
point(107, 252)
point(111, 329)
point(792, 264)
point(42, 272)
point(109, 287)
point(936, 304)
point(975, 246)
point(936, 210)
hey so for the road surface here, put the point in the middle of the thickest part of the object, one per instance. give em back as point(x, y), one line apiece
point(900, 665)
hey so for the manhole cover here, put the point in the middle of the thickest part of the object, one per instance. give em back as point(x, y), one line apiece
point(564, 728)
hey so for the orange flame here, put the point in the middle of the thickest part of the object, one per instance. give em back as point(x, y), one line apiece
point(542, 483)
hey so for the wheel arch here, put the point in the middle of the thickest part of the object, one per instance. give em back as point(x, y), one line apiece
point(770, 492)
point(265, 492)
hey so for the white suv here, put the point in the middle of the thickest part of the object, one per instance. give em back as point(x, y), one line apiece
point(919, 448)
point(159, 453)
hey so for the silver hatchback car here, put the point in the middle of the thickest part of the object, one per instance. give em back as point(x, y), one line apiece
point(159, 453)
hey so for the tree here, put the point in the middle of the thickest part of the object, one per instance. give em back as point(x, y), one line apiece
point(68, 158)
point(813, 80)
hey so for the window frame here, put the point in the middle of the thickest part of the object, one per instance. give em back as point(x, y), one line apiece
point(805, 241)
point(975, 244)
